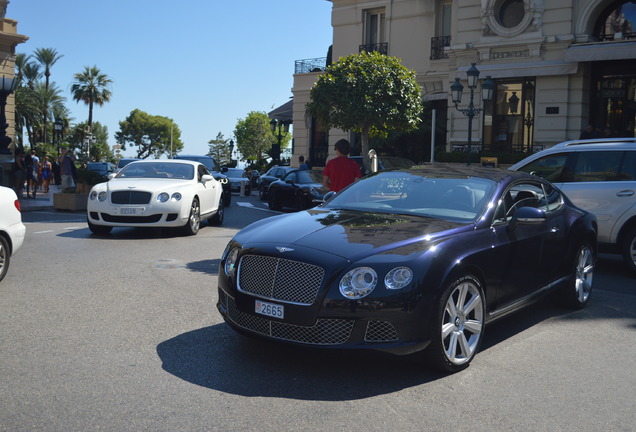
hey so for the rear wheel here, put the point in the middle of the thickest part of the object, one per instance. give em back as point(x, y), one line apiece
point(261, 193)
point(99, 229)
point(5, 257)
point(629, 249)
point(217, 219)
point(272, 200)
point(577, 292)
point(194, 220)
point(459, 325)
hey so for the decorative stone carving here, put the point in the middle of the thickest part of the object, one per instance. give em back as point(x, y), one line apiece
point(532, 19)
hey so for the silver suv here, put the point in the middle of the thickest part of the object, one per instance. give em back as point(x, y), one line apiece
point(599, 176)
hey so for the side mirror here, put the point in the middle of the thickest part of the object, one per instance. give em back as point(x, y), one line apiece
point(111, 175)
point(206, 178)
point(224, 169)
point(328, 196)
point(527, 216)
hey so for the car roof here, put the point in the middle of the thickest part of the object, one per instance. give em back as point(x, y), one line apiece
point(599, 143)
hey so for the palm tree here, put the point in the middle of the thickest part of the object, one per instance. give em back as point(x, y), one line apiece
point(47, 58)
point(31, 72)
point(21, 60)
point(49, 101)
point(27, 114)
point(91, 87)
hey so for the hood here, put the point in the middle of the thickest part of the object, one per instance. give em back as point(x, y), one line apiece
point(351, 235)
point(142, 184)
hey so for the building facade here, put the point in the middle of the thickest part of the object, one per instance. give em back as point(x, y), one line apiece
point(557, 66)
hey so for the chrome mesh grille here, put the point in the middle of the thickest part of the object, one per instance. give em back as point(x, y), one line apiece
point(324, 332)
point(380, 331)
point(280, 279)
point(130, 197)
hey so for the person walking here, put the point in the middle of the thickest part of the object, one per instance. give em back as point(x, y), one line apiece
point(303, 165)
point(47, 172)
point(32, 174)
point(67, 164)
point(19, 173)
point(340, 171)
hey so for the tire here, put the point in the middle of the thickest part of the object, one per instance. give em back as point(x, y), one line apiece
point(227, 198)
point(459, 325)
point(194, 220)
point(5, 257)
point(576, 293)
point(272, 201)
point(99, 229)
point(261, 193)
point(217, 219)
point(628, 249)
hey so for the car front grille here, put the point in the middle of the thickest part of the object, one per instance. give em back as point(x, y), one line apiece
point(130, 219)
point(380, 331)
point(130, 197)
point(323, 332)
point(280, 279)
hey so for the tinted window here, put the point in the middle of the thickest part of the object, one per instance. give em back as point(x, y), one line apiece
point(628, 167)
point(596, 166)
point(549, 167)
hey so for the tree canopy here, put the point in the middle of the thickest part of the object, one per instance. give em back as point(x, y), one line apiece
point(153, 135)
point(220, 149)
point(368, 93)
point(254, 136)
point(91, 87)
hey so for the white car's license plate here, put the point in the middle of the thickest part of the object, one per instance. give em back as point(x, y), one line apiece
point(131, 210)
point(269, 309)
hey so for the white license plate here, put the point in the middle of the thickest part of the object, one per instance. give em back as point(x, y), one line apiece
point(269, 309)
point(131, 211)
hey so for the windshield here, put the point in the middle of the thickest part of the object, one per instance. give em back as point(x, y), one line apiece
point(305, 177)
point(453, 199)
point(235, 172)
point(157, 170)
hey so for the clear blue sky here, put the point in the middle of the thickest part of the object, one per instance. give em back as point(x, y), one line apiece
point(203, 63)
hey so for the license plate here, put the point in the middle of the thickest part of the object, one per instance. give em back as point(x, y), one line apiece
point(269, 309)
point(131, 211)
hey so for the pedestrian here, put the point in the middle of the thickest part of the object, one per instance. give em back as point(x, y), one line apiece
point(47, 172)
point(303, 165)
point(589, 132)
point(340, 171)
point(67, 168)
point(32, 174)
point(19, 173)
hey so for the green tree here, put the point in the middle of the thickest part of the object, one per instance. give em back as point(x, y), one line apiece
point(368, 93)
point(254, 136)
point(47, 57)
point(153, 135)
point(220, 149)
point(99, 148)
point(31, 73)
point(91, 87)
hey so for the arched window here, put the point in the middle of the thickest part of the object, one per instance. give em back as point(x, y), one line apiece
point(617, 22)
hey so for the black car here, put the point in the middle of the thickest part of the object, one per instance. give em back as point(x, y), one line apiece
point(409, 261)
point(301, 189)
point(273, 174)
point(215, 169)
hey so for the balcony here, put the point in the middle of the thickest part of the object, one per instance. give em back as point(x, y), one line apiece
point(382, 48)
point(437, 47)
point(310, 65)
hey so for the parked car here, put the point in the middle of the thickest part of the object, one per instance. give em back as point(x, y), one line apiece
point(102, 168)
point(215, 169)
point(156, 193)
point(402, 261)
point(599, 176)
point(123, 162)
point(385, 162)
point(273, 174)
point(12, 230)
point(238, 180)
point(301, 189)
point(255, 176)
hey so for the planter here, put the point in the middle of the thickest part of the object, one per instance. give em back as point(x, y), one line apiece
point(70, 201)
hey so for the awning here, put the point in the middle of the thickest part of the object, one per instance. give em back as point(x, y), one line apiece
point(527, 69)
point(601, 51)
point(283, 112)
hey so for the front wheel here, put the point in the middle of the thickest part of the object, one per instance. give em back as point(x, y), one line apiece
point(576, 293)
point(261, 193)
point(5, 257)
point(272, 200)
point(194, 220)
point(459, 325)
point(629, 249)
point(99, 229)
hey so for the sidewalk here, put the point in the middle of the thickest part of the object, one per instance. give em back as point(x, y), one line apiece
point(42, 201)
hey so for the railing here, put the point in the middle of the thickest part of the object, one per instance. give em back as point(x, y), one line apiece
point(310, 65)
point(617, 36)
point(437, 47)
point(382, 48)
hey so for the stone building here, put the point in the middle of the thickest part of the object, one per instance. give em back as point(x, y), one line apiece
point(557, 65)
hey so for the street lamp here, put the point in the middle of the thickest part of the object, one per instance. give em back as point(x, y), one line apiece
point(7, 86)
point(88, 139)
point(231, 152)
point(487, 89)
point(282, 125)
point(58, 132)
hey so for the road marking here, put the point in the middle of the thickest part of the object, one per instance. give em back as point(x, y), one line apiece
point(252, 206)
point(43, 232)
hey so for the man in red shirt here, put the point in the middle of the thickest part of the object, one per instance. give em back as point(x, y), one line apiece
point(340, 171)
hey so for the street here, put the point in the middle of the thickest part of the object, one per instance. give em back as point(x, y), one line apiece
point(121, 333)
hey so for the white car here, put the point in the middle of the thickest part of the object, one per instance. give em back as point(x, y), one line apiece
point(12, 230)
point(156, 193)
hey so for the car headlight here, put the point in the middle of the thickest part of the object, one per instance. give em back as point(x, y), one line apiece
point(358, 282)
point(176, 196)
point(102, 196)
point(163, 197)
point(314, 192)
point(93, 195)
point(398, 278)
point(230, 261)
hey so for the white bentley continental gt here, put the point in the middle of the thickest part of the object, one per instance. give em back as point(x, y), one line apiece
point(156, 193)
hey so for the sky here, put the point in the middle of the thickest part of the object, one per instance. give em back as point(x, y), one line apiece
point(203, 63)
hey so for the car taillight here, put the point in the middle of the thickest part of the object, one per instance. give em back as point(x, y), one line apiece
point(17, 205)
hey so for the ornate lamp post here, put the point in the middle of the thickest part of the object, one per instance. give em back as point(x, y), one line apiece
point(487, 89)
point(7, 86)
point(58, 132)
point(282, 125)
point(231, 152)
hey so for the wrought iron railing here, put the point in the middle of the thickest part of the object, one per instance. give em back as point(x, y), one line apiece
point(310, 65)
point(382, 48)
point(617, 36)
point(437, 47)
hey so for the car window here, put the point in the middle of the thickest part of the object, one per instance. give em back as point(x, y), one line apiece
point(157, 170)
point(549, 167)
point(594, 166)
point(628, 167)
point(522, 195)
point(292, 176)
point(309, 176)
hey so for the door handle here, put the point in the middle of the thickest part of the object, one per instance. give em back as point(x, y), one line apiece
point(625, 193)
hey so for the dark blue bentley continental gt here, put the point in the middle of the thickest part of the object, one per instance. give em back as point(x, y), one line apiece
point(403, 261)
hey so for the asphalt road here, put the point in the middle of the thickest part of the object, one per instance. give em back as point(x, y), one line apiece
point(121, 334)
